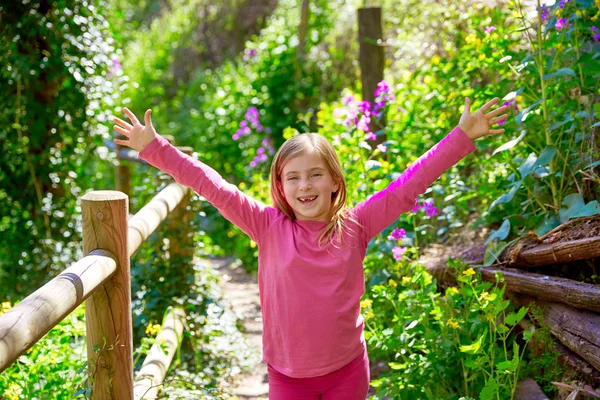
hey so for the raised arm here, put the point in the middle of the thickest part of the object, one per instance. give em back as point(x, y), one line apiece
point(251, 216)
point(384, 207)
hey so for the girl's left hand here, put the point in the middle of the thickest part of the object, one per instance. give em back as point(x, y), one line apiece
point(479, 123)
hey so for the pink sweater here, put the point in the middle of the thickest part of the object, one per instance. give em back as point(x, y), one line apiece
point(310, 296)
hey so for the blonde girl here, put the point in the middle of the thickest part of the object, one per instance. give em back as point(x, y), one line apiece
point(311, 246)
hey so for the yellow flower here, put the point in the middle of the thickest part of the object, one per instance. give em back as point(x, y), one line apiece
point(469, 272)
point(405, 280)
point(392, 283)
point(366, 303)
point(370, 314)
point(451, 290)
point(435, 60)
point(452, 323)
point(482, 57)
point(5, 307)
point(153, 329)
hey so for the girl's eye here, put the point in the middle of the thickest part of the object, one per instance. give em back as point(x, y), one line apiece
point(292, 178)
point(316, 175)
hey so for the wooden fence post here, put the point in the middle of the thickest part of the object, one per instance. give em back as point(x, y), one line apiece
point(108, 310)
point(181, 241)
point(372, 59)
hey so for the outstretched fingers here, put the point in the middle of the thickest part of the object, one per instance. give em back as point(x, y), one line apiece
point(497, 111)
point(122, 123)
point(122, 131)
point(496, 131)
point(488, 105)
point(131, 116)
point(494, 121)
point(121, 142)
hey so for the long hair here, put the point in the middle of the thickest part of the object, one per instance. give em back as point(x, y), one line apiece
point(338, 216)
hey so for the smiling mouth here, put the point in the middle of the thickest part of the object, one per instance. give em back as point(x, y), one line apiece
point(307, 200)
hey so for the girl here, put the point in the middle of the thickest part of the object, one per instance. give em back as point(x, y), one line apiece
point(311, 247)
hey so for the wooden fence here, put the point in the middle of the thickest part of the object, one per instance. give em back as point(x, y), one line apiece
point(102, 279)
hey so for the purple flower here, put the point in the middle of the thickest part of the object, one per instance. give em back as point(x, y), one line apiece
point(347, 100)
point(398, 252)
point(513, 103)
point(544, 13)
point(429, 208)
point(501, 122)
point(489, 29)
point(561, 23)
point(371, 136)
point(363, 123)
point(249, 54)
point(382, 147)
point(397, 234)
point(595, 33)
point(562, 3)
point(365, 107)
point(382, 88)
point(416, 207)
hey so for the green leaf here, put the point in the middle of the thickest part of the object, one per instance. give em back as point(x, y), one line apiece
point(492, 253)
point(501, 329)
point(522, 116)
point(507, 366)
point(489, 391)
point(547, 225)
point(528, 165)
point(528, 334)
point(560, 72)
point(397, 365)
point(412, 325)
point(474, 347)
point(510, 144)
point(573, 206)
point(387, 332)
point(546, 156)
point(592, 164)
point(514, 318)
point(501, 233)
point(505, 198)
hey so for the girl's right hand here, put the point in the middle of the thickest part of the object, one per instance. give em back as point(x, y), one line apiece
point(139, 135)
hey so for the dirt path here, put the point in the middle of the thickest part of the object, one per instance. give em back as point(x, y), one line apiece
point(241, 291)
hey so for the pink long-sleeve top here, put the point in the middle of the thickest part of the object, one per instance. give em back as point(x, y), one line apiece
point(310, 295)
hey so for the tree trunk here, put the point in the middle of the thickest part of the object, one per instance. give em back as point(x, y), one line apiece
point(372, 59)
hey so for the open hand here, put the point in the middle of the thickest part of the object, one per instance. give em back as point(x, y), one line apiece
point(479, 123)
point(139, 135)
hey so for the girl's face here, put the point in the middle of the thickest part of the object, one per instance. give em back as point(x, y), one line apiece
point(307, 187)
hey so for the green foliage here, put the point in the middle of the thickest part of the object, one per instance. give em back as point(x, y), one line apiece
point(54, 368)
point(458, 344)
point(55, 56)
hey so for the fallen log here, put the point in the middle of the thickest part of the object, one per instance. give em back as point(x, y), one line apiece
point(577, 366)
point(528, 389)
point(554, 253)
point(567, 291)
point(578, 330)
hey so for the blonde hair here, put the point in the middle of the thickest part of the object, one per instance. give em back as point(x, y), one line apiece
point(313, 143)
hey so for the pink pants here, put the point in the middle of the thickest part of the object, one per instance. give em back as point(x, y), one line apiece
point(351, 382)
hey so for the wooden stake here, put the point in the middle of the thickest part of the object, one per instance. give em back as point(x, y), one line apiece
point(108, 309)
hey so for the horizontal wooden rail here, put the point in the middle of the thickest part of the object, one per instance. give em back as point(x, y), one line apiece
point(152, 214)
point(26, 323)
point(155, 366)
